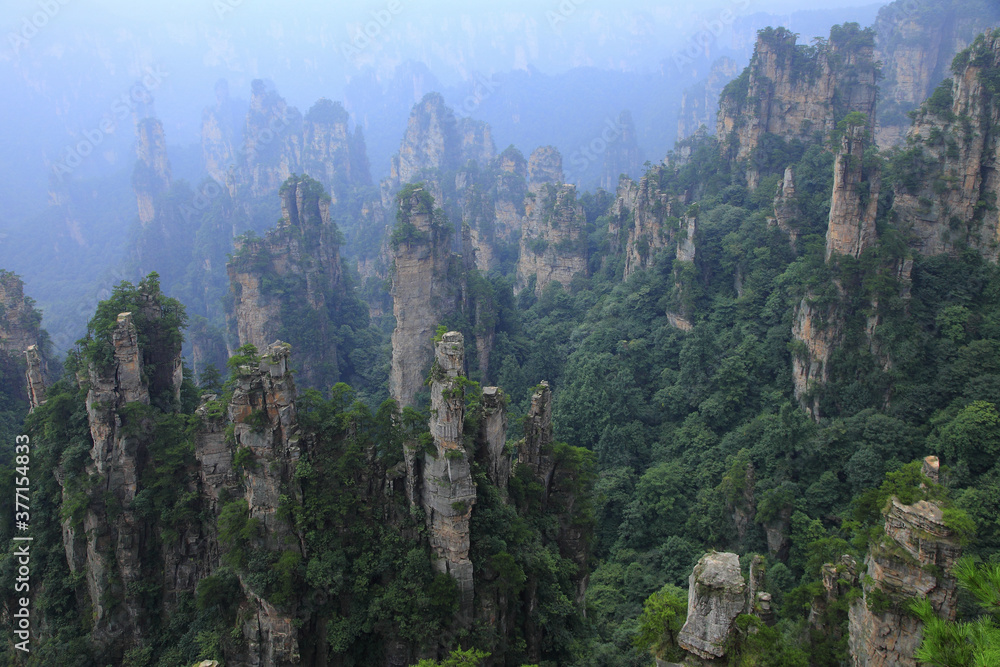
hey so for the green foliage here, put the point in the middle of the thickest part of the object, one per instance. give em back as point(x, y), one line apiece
point(457, 658)
point(974, 643)
point(663, 615)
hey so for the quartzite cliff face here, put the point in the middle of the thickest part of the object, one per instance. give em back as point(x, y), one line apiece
point(151, 176)
point(553, 240)
point(422, 292)
point(292, 273)
point(913, 559)
point(794, 93)
point(948, 196)
point(278, 142)
point(916, 42)
point(447, 490)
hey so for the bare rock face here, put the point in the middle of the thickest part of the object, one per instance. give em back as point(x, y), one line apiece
point(792, 93)
point(35, 376)
point(716, 596)
point(815, 331)
point(19, 321)
point(493, 434)
point(298, 261)
point(955, 142)
point(476, 141)
point(272, 144)
point(553, 241)
point(115, 530)
point(436, 141)
point(448, 492)
point(914, 559)
point(686, 239)
point(786, 207)
point(151, 177)
point(331, 152)
point(643, 220)
point(278, 142)
point(219, 134)
point(854, 202)
point(494, 208)
point(623, 155)
point(262, 411)
point(535, 449)
point(422, 295)
point(545, 166)
point(700, 102)
point(916, 42)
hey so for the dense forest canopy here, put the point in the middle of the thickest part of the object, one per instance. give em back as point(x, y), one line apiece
point(744, 409)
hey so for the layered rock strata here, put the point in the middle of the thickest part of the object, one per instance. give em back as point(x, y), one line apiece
point(448, 492)
point(717, 594)
point(794, 93)
point(914, 559)
point(916, 41)
point(553, 241)
point(296, 266)
point(35, 376)
point(948, 198)
point(854, 202)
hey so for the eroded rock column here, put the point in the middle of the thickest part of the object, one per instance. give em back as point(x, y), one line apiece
point(448, 492)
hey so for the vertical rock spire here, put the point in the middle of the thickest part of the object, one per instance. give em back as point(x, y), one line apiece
point(448, 492)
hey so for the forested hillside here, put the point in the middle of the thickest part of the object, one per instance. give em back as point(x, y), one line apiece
point(744, 410)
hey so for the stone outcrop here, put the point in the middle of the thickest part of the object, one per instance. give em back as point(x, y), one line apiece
point(447, 490)
point(794, 93)
point(332, 153)
point(272, 145)
point(436, 142)
point(622, 155)
point(278, 142)
point(854, 202)
point(19, 320)
point(545, 166)
point(495, 208)
point(916, 41)
point(700, 102)
point(913, 559)
point(35, 376)
point(553, 241)
point(786, 207)
point(220, 134)
point(948, 198)
point(815, 332)
point(422, 294)
point(492, 452)
point(643, 221)
point(717, 594)
point(293, 269)
point(151, 176)
point(114, 529)
point(535, 450)
point(262, 411)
